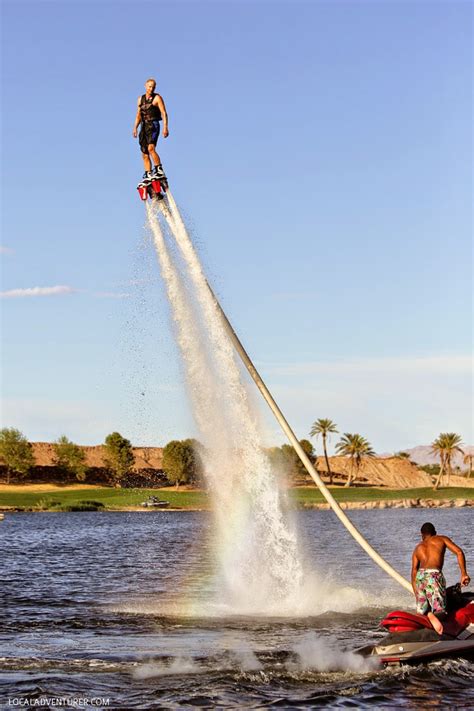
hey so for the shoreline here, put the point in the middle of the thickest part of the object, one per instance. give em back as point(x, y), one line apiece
point(376, 505)
point(79, 497)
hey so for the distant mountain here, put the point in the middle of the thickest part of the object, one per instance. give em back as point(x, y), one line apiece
point(423, 455)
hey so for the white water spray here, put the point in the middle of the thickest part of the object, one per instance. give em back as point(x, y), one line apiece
point(256, 544)
point(324, 655)
point(177, 222)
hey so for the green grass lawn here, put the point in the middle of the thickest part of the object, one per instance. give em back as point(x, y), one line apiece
point(110, 497)
point(117, 498)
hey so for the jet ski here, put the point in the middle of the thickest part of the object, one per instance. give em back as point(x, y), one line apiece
point(412, 639)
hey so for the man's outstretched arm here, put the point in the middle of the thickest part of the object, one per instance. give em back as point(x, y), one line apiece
point(465, 579)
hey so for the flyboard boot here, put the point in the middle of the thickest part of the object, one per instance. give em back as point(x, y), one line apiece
point(144, 184)
point(159, 180)
point(154, 184)
point(159, 187)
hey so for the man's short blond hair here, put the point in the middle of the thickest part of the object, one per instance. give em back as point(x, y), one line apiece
point(151, 79)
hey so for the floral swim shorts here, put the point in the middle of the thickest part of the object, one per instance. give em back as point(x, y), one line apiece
point(430, 591)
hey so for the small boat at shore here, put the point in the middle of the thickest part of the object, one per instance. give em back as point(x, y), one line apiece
point(153, 502)
point(413, 640)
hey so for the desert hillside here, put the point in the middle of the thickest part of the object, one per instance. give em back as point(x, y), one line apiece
point(145, 457)
point(391, 472)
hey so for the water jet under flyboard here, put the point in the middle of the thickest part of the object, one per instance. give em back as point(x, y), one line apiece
point(222, 336)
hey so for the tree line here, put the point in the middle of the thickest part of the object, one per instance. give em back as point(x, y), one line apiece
point(183, 459)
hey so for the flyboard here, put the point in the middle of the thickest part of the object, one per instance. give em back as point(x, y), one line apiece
point(154, 188)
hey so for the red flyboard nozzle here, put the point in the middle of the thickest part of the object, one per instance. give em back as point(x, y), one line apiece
point(156, 185)
point(142, 191)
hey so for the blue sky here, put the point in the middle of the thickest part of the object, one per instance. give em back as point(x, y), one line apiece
point(321, 152)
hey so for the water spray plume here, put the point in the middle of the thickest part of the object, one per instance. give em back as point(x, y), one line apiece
point(252, 532)
point(185, 244)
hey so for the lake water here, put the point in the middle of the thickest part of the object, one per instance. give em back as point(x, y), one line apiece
point(122, 606)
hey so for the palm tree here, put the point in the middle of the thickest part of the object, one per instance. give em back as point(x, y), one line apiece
point(402, 455)
point(468, 457)
point(452, 445)
point(438, 449)
point(354, 446)
point(324, 427)
point(445, 445)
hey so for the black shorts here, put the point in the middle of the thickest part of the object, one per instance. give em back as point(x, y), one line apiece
point(148, 134)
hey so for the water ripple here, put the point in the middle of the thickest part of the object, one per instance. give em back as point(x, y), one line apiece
point(132, 619)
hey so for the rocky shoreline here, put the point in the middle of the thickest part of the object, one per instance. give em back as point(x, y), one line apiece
point(396, 504)
point(322, 506)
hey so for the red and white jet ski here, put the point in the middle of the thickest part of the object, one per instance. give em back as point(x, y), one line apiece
point(412, 639)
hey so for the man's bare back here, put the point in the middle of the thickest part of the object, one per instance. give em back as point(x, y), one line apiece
point(430, 552)
point(427, 578)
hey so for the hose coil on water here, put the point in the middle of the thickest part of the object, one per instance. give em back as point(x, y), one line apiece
point(173, 218)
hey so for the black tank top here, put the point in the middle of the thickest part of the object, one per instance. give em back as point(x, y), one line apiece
point(148, 112)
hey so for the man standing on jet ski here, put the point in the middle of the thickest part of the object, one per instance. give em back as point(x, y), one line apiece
point(151, 110)
point(427, 578)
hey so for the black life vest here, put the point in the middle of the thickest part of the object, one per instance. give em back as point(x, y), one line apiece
point(148, 112)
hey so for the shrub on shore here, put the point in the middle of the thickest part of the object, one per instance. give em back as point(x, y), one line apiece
point(82, 506)
point(46, 504)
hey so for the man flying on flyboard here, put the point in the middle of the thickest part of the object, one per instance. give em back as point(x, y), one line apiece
point(151, 110)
